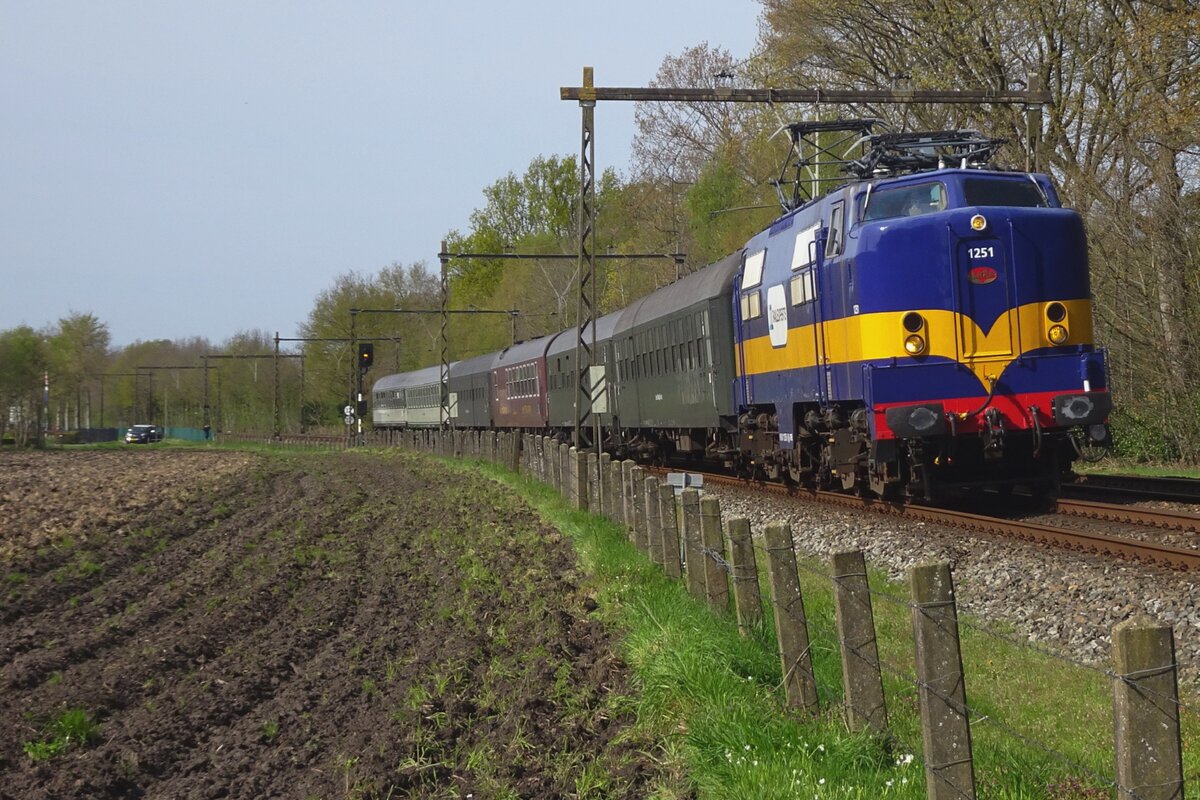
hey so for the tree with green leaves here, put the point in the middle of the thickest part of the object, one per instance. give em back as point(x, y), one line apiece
point(1122, 137)
point(78, 355)
point(412, 339)
point(24, 358)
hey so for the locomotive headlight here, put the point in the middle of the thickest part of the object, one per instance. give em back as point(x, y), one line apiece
point(1057, 334)
point(1097, 433)
point(978, 222)
point(914, 345)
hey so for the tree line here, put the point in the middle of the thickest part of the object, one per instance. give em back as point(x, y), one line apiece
point(1121, 138)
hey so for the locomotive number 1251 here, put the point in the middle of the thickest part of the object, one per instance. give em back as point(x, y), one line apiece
point(981, 252)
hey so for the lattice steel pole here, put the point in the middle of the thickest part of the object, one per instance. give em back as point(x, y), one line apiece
point(587, 259)
point(445, 370)
point(275, 402)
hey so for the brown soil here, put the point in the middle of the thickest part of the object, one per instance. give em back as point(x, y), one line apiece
point(328, 625)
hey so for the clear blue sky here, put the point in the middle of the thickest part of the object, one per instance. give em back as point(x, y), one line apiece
point(204, 167)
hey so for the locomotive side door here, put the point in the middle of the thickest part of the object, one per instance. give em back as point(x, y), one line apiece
point(830, 239)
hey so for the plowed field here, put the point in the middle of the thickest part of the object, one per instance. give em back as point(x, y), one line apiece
point(325, 625)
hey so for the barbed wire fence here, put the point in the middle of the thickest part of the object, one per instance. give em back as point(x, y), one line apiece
point(1147, 708)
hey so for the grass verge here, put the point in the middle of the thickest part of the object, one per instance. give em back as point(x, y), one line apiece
point(1042, 726)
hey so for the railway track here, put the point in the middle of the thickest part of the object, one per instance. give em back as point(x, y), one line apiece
point(1140, 487)
point(1166, 519)
point(1077, 540)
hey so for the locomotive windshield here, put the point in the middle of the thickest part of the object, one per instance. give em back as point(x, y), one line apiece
point(1003, 192)
point(905, 201)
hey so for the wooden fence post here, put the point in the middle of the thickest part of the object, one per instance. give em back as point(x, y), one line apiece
point(653, 523)
point(693, 555)
point(670, 530)
point(865, 705)
point(745, 575)
point(946, 730)
point(791, 625)
point(1146, 704)
point(716, 579)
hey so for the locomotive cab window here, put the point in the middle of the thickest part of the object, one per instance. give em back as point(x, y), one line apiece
point(837, 215)
point(1003, 192)
point(905, 201)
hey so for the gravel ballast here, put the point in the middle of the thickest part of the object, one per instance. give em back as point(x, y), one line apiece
point(1062, 601)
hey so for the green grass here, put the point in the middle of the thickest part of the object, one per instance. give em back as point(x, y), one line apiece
point(1117, 466)
point(1042, 726)
point(73, 728)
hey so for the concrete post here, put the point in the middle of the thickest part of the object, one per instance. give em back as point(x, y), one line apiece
point(791, 625)
point(692, 554)
point(627, 484)
point(592, 480)
point(946, 730)
point(564, 470)
point(862, 682)
point(716, 579)
point(638, 490)
point(616, 475)
point(606, 485)
point(653, 521)
point(669, 520)
point(571, 473)
point(516, 451)
point(579, 479)
point(745, 575)
point(1146, 704)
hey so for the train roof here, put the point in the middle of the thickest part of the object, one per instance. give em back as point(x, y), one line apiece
point(523, 351)
point(473, 365)
point(407, 380)
point(708, 283)
point(604, 331)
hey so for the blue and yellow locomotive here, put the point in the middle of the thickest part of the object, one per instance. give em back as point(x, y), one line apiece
point(924, 326)
point(928, 325)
